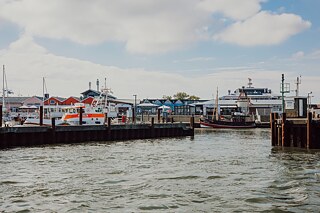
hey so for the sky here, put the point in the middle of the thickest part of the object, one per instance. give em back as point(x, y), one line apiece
point(152, 48)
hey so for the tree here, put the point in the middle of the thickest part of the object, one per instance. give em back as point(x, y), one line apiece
point(193, 97)
point(167, 97)
point(181, 95)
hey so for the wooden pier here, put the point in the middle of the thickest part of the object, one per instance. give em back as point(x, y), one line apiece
point(295, 132)
point(42, 135)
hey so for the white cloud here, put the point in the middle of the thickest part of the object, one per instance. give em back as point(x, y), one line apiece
point(232, 8)
point(26, 64)
point(263, 28)
point(146, 26)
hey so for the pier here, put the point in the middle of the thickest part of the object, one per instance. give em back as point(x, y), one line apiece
point(295, 132)
point(43, 135)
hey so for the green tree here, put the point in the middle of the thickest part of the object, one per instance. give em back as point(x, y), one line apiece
point(167, 97)
point(181, 95)
point(193, 97)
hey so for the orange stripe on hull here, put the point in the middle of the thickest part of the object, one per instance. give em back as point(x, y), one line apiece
point(85, 115)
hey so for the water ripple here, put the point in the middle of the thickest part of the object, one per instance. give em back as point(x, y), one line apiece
point(216, 171)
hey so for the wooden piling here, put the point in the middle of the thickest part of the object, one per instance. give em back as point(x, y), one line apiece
point(273, 129)
point(109, 130)
point(53, 123)
point(309, 131)
point(41, 116)
point(192, 122)
point(284, 132)
point(133, 115)
point(80, 116)
point(0, 115)
point(159, 116)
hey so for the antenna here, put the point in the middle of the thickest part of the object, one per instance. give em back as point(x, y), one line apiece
point(250, 83)
point(298, 82)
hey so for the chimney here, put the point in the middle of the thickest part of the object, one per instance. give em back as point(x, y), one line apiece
point(89, 85)
point(97, 84)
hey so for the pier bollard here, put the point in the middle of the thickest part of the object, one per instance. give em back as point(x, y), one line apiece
point(309, 131)
point(0, 115)
point(41, 115)
point(80, 116)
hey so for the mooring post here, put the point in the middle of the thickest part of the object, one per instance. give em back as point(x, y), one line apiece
point(0, 115)
point(53, 124)
point(276, 129)
point(105, 118)
point(272, 124)
point(191, 122)
point(133, 115)
point(41, 115)
point(109, 129)
point(309, 130)
point(53, 133)
point(80, 116)
point(158, 115)
point(284, 136)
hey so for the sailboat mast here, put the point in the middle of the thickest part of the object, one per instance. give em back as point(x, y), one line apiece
point(43, 91)
point(3, 90)
point(217, 105)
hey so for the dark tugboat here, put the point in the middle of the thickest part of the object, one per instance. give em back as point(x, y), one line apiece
point(241, 119)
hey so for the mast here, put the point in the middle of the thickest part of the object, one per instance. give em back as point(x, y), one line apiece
point(217, 106)
point(3, 90)
point(43, 82)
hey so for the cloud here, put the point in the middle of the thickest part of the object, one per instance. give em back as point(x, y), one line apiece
point(27, 62)
point(263, 28)
point(231, 8)
point(148, 27)
point(144, 26)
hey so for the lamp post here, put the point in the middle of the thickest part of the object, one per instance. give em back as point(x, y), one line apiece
point(134, 109)
point(309, 99)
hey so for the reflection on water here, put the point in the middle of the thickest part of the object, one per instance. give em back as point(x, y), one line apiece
point(216, 171)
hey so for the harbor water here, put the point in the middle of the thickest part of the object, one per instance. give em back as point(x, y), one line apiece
point(214, 171)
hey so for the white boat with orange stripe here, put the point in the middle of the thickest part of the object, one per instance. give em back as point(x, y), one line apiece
point(90, 115)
